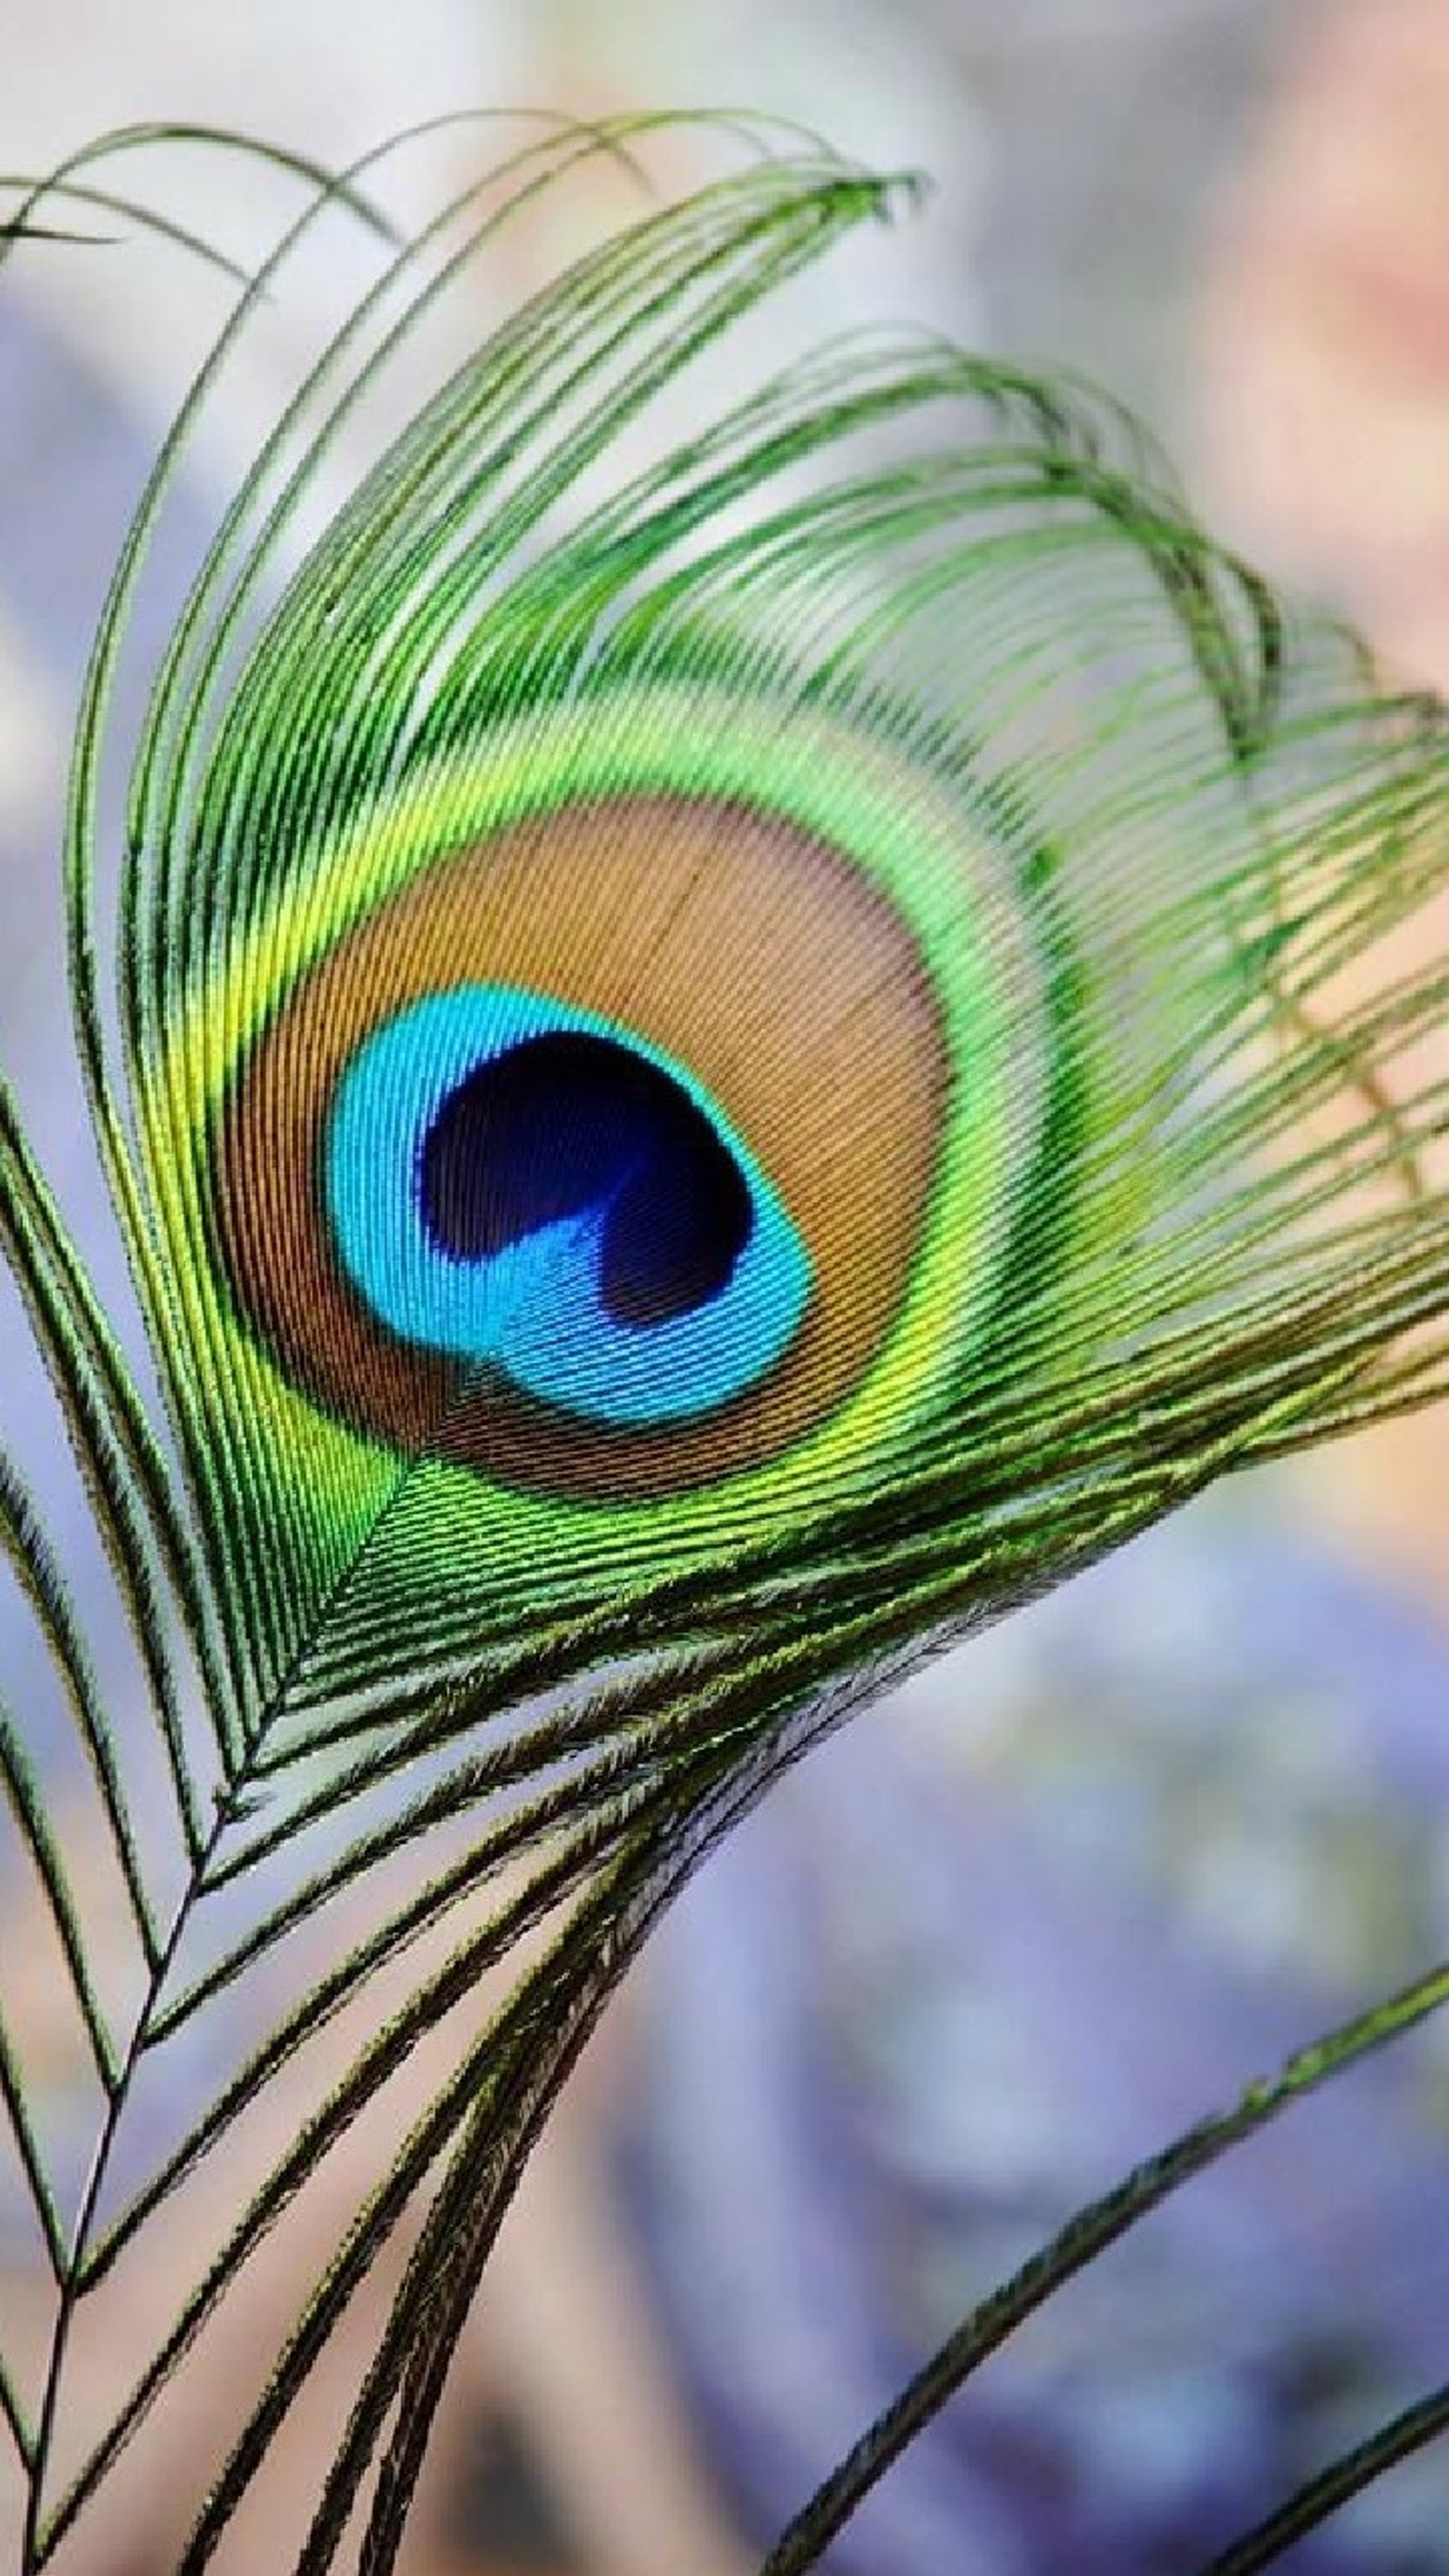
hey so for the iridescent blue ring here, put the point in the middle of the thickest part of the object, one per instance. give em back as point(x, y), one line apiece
point(535, 1309)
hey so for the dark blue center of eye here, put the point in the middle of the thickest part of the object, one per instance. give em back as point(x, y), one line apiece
point(566, 1123)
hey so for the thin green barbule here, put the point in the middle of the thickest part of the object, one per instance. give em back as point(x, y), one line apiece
point(888, 824)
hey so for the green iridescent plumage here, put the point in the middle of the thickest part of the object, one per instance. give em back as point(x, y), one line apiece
point(895, 814)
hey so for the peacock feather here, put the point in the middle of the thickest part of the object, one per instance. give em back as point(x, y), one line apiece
point(724, 1041)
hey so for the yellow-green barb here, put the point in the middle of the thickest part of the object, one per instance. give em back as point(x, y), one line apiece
point(705, 1088)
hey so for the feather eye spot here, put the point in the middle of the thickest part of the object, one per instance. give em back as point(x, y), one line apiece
point(563, 1159)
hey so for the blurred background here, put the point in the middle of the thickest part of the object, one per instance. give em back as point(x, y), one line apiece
point(1087, 1877)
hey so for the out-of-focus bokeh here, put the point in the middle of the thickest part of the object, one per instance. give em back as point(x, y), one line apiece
point(1094, 1873)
